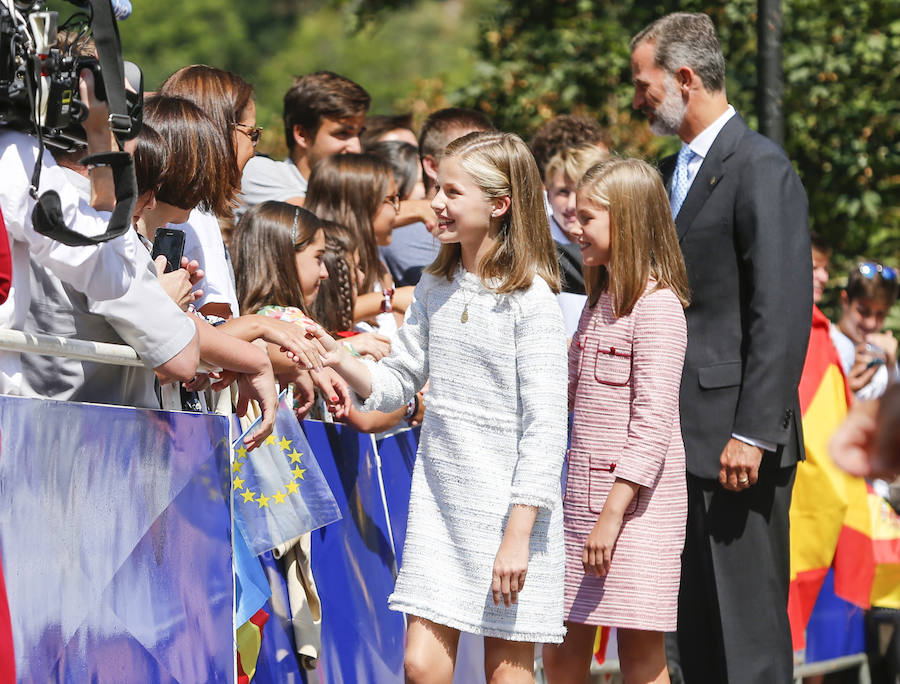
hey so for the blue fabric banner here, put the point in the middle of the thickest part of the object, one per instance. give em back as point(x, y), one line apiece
point(354, 564)
point(115, 538)
point(279, 490)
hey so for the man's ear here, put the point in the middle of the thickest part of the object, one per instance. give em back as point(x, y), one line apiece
point(301, 138)
point(845, 300)
point(430, 167)
point(500, 206)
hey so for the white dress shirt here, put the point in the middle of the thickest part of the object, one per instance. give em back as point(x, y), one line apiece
point(102, 271)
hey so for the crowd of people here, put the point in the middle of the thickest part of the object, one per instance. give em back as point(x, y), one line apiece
point(461, 280)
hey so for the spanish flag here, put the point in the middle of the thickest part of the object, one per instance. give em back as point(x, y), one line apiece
point(820, 496)
point(867, 559)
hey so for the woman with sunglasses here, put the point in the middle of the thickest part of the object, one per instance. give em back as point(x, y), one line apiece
point(228, 100)
point(868, 352)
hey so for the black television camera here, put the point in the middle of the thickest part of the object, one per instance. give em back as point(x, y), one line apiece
point(39, 95)
point(39, 78)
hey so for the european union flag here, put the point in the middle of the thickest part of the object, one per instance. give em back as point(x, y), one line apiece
point(116, 547)
point(279, 490)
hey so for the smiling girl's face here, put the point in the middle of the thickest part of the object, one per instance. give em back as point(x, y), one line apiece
point(594, 238)
point(310, 266)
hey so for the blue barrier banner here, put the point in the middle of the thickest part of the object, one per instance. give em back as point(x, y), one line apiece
point(354, 564)
point(398, 456)
point(116, 545)
point(279, 490)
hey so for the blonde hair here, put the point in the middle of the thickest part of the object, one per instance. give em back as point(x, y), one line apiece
point(643, 241)
point(573, 162)
point(503, 166)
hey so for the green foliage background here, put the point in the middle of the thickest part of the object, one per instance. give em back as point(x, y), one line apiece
point(523, 61)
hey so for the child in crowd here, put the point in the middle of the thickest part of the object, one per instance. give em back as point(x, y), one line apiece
point(868, 353)
point(561, 176)
point(359, 191)
point(485, 505)
point(279, 258)
point(626, 499)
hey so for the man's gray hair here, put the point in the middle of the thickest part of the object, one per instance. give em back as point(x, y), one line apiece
point(683, 39)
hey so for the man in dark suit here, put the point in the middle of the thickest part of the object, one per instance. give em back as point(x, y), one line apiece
point(741, 214)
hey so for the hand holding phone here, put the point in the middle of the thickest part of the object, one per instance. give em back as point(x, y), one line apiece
point(169, 242)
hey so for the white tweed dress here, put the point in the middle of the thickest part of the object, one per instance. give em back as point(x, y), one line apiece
point(494, 435)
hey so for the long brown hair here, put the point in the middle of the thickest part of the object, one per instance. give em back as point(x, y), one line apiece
point(264, 266)
point(224, 97)
point(349, 189)
point(333, 305)
point(502, 165)
point(643, 241)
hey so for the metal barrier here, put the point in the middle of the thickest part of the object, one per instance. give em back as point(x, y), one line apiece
point(123, 355)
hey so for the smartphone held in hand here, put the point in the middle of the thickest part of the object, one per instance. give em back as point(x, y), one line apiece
point(170, 243)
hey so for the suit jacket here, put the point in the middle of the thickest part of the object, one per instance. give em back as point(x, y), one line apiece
point(743, 230)
point(570, 265)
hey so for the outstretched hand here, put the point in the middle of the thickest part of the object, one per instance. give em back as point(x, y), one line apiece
point(261, 387)
point(331, 348)
point(300, 347)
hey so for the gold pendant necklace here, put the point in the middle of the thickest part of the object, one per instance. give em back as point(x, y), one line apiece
point(464, 316)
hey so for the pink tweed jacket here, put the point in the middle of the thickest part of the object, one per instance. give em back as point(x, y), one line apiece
point(624, 380)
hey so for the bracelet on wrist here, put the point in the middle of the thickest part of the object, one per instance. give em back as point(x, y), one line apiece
point(412, 408)
point(387, 305)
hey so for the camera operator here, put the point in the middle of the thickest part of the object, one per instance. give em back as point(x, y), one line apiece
point(5, 262)
point(102, 271)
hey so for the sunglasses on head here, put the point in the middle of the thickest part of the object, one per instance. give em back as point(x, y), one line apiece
point(252, 132)
point(869, 269)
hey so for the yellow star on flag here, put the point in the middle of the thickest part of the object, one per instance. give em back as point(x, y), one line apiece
point(270, 440)
point(292, 487)
point(298, 472)
point(237, 466)
point(238, 482)
point(248, 496)
point(294, 456)
point(285, 443)
point(278, 496)
point(263, 500)
point(240, 453)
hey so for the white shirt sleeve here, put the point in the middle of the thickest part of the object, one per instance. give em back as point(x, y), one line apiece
point(266, 179)
point(101, 271)
point(203, 242)
point(145, 316)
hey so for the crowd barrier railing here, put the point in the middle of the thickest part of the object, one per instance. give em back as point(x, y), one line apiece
point(116, 542)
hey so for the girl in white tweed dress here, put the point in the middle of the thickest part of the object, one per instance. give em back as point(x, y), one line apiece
point(484, 547)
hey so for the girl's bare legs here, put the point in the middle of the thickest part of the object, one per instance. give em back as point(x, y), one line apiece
point(570, 661)
point(430, 652)
point(508, 662)
point(642, 656)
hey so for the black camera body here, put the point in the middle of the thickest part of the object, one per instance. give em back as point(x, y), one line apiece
point(39, 80)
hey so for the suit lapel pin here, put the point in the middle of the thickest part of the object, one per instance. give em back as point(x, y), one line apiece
point(712, 181)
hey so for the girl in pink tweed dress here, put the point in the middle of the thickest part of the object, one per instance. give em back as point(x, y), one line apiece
point(625, 503)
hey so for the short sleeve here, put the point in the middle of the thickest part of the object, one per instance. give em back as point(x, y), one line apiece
point(145, 317)
point(203, 243)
